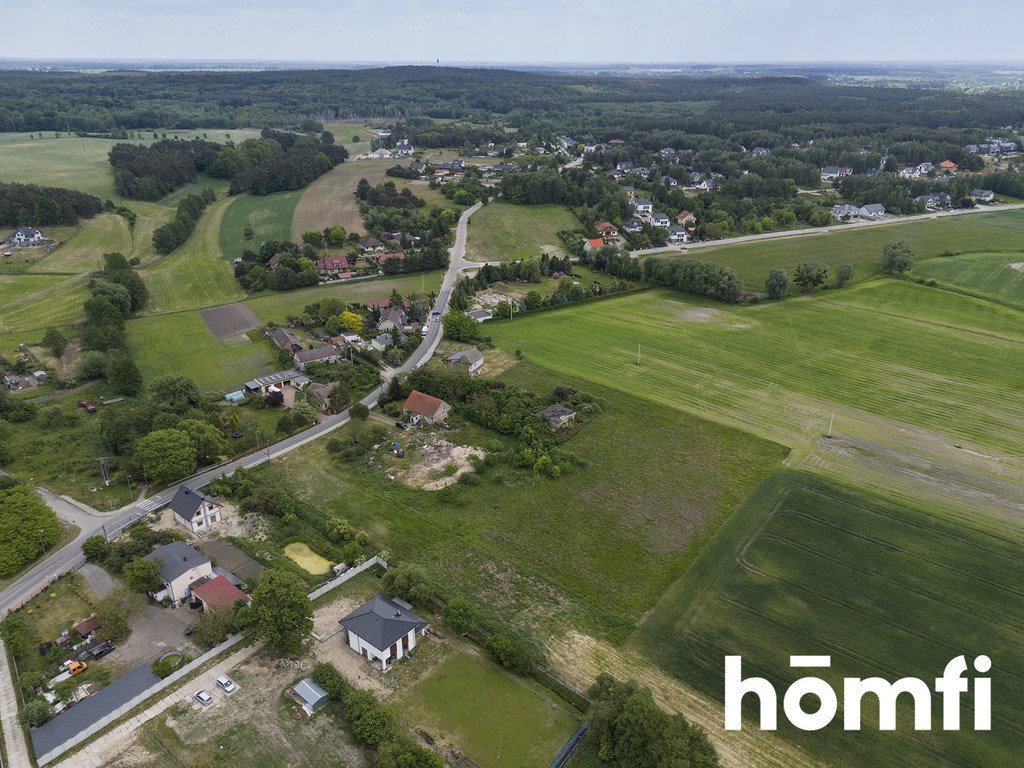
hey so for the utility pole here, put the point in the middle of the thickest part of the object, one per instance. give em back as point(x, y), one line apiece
point(832, 419)
point(638, 353)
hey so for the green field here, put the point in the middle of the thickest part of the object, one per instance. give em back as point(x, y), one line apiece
point(809, 567)
point(276, 306)
point(987, 274)
point(598, 545)
point(863, 247)
point(196, 274)
point(269, 216)
point(893, 360)
point(504, 232)
point(181, 343)
point(495, 718)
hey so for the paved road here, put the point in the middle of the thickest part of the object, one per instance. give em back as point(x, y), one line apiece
point(824, 230)
point(111, 524)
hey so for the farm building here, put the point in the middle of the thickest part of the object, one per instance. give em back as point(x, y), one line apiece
point(383, 629)
point(288, 378)
point(194, 510)
point(285, 339)
point(480, 315)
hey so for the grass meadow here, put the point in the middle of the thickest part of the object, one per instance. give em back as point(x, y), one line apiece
point(505, 232)
point(863, 247)
point(269, 216)
point(180, 342)
point(598, 545)
point(986, 274)
point(494, 717)
point(810, 567)
point(329, 200)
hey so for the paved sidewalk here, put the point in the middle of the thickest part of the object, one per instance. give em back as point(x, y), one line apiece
point(108, 746)
point(14, 737)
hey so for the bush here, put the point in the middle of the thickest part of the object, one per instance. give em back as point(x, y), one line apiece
point(95, 548)
point(517, 654)
point(36, 712)
point(359, 412)
point(330, 679)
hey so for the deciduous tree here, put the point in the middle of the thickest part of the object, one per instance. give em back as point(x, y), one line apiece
point(281, 612)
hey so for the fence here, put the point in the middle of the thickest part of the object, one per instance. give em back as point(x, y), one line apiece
point(129, 705)
point(323, 589)
point(570, 746)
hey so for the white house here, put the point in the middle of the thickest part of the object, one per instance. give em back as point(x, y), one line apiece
point(471, 359)
point(872, 211)
point(181, 566)
point(25, 236)
point(383, 630)
point(677, 234)
point(983, 195)
point(324, 354)
point(194, 510)
point(643, 205)
point(844, 211)
point(833, 172)
point(659, 219)
point(380, 154)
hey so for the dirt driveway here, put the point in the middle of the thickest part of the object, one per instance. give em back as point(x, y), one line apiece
point(154, 631)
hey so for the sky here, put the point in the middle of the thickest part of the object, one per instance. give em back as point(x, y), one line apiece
point(525, 31)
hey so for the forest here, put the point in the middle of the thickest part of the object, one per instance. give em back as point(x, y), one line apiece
point(29, 204)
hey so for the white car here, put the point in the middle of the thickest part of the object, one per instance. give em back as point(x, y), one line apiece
point(203, 697)
point(227, 684)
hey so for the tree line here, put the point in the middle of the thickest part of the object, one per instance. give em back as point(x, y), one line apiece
point(23, 204)
point(172, 234)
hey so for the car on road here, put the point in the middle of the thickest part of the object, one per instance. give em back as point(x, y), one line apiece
point(203, 697)
point(89, 407)
point(226, 684)
point(436, 313)
point(424, 330)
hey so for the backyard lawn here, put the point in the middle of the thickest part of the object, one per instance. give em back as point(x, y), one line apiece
point(495, 718)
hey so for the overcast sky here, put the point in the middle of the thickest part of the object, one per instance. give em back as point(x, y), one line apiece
point(641, 31)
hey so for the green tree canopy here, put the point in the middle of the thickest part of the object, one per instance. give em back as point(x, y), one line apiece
point(27, 527)
point(175, 393)
point(207, 440)
point(165, 455)
point(281, 612)
point(809, 275)
point(897, 258)
point(122, 374)
point(141, 575)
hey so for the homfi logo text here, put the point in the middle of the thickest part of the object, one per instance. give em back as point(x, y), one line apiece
point(907, 691)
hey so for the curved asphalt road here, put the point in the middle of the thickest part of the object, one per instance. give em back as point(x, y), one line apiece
point(70, 556)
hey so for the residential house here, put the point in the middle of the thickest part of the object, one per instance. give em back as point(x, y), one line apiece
point(471, 359)
point(285, 339)
point(194, 510)
point(272, 262)
point(383, 303)
point(625, 167)
point(909, 172)
point(393, 319)
point(668, 181)
point(289, 378)
point(417, 166)
point(558, 416)
point(371, 245)
point(935, 201)
point(310, 696)
point(380, 154)
point(659, 219)
point(923, 169)
point(607, 229)
point(948, 166)
point(872, 173)
point(983, 195)
point(383, 134)
point(845, 212)
point(677, 234)
point(382, 342)
point(643, 206)
point(632, 225)
point(181, 566)
point(593, 244)
point(403, 148)
point(322, 354)
point(322, 392)
point(383, 630)
point(423, 407)
point(872, 211)
point(332, 266)
point(686, 219)
point(391, 255)
point(835, 172)
point(630, 191)
point(218, 592)
point(707, 185)
point(25, 236)
point(480, 315)
point(760, 152)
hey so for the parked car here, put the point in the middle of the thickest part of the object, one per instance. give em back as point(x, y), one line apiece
point(77, 667)
point(203, 697)
point(101, 650)
point(401, 425)
point(190, 629)
point(89, 407)
point(227, 684)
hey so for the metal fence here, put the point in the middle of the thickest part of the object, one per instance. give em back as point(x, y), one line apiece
point(326, 587)
point(562, 758)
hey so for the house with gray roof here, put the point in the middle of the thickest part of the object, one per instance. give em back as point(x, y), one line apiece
point(471, 359)
point(26, 236)
point(383, 629)
point(983, 195)
point(181, 566)
point(311, 697)
point(323, 354)
point(194, 510)
point(558, 415)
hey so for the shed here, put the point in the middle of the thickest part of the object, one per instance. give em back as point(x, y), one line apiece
point(310, 695)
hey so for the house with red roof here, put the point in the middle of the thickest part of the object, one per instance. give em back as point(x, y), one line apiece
point(593, 244)
point(422, 407)
point(218, 592)
point(607, 229)
point(332, 266)
point(686, 219)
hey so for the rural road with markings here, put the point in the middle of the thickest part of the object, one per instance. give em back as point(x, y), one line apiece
point(92, 523)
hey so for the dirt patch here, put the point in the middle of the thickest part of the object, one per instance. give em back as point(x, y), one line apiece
point(700, 314)
point(330, 645)
point(234, 523)
point(229, 320)
point(306, 558)
point(154, 632)
point(1018, 265)
point(439, 464)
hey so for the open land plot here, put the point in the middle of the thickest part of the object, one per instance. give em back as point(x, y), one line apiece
point(863, 247)
point(181, 342)
point(494, 718)
point(330, 199)
point(229, 320)
point(269, 217)
point(891, 359)
point(504, 232)
point(999, 275)
point(276, 306)
point(196, 274)
point(599, 544)
point(810, 567)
